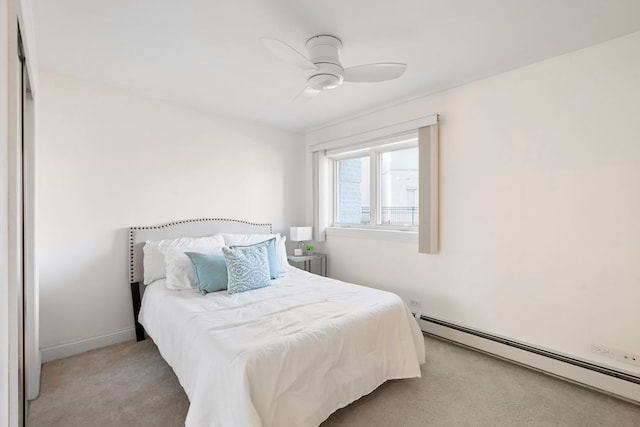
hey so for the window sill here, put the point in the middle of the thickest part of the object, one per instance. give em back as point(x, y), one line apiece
point(373, 233)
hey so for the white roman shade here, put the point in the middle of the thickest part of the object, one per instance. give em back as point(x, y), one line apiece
point(398, 140)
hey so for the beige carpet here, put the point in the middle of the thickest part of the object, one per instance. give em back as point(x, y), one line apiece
point(129, 384)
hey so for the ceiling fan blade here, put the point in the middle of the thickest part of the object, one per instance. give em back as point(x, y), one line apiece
point(374, 72)
point(306, 95)
point(288, 54)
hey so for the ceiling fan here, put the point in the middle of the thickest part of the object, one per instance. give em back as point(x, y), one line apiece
point(323, 63)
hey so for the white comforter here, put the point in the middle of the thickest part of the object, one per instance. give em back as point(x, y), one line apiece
point(286, 355)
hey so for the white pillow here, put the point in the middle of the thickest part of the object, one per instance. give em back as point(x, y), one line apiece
point(281, 254)
point(154, 253)
point(250, 239)
point(245, 239)
point(181, 273)
point(152, 262)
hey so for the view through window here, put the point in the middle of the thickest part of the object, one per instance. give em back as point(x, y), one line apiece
point(391, 199)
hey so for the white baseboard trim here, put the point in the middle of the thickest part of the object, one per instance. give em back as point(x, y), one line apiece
point(601, 382)
point(85, 344)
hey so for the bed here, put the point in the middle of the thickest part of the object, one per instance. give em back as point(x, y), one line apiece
point(287, 354)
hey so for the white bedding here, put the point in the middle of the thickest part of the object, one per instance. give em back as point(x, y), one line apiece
point(286, 355)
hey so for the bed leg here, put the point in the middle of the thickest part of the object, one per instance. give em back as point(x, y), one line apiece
point(135, 297)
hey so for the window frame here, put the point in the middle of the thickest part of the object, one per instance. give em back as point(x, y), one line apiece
point(355, 134)
point(373, 150)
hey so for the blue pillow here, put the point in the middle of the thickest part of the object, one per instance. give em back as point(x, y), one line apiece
point(247, 268)
point(271, 255)
point(211, 271)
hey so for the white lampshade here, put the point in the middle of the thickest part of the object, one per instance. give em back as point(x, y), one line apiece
point(301, 234)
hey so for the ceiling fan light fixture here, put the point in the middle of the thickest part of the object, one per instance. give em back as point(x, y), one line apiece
point(324, 81)
point(324, 48)
point(326, 70)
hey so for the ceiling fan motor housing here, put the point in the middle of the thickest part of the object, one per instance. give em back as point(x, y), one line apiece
point(324, 52)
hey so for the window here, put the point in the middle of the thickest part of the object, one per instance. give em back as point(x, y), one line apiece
point(377, 186)
point(353, 191)
point(398, 185)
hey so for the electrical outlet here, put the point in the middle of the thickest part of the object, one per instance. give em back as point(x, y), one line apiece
point(603, 350)
point(626, 357)
point(414, 303)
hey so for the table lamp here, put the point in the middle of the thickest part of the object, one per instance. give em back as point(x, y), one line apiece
point(300, 234)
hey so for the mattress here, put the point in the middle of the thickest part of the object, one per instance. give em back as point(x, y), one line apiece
point(289, 354)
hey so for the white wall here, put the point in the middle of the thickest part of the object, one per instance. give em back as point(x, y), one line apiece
point(540, 205)
point(109, 160)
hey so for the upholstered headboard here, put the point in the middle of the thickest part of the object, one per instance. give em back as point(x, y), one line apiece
point(185, 228)
point(172, 230)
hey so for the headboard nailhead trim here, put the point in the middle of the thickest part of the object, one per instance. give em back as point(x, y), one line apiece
point(184, 221)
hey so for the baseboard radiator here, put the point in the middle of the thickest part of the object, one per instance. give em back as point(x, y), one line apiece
point(630, 383)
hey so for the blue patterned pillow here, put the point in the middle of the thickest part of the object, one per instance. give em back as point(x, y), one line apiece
point(211, 271)
point(271, 255)
point(247, 268)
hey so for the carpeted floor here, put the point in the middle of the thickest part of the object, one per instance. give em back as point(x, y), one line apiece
point(129, 384)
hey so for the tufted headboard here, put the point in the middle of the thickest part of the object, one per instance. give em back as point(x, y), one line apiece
point(185, 228)
point(172, 230)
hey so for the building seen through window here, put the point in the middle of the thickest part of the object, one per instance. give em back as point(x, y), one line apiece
point(392, 200)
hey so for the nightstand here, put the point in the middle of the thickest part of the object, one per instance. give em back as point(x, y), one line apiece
point(307, 260)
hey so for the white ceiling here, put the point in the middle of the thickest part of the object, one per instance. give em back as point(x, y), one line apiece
point(207, 54)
